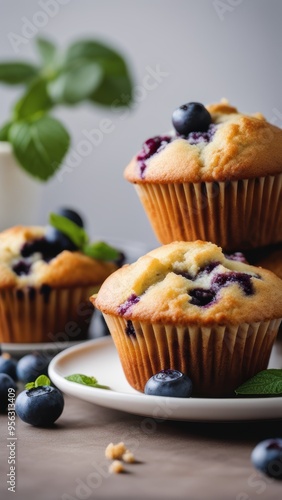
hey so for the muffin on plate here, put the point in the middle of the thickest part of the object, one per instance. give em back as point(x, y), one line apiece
point(45, 283)
point(217, 177)
point(185, 306)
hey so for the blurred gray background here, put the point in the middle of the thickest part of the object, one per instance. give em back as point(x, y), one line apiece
point(204, 49)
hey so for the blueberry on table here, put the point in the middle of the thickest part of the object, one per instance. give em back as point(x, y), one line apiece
point(267, 457)
point(169, 383)
point(56, 237)
point(191, 117)
point(40, 406)
point(6, 383)
point(8, 365)
point(30, 366)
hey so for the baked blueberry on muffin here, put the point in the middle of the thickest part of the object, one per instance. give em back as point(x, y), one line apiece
point(187, 307)
point(216, 177)
point(45, 282)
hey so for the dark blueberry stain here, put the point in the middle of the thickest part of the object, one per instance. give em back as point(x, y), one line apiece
point(150, 147)
point(129, 329)
point(243, 279)
point(185, 274)
point(198, 137)
point(22, 268)
point(202, 297)
point(20, 294)
point(31, 293)
point(45, 291)
point(48, 249)
point(237, 256)
point(123, 308)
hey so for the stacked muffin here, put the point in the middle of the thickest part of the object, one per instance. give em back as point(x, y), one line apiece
point(216, 178)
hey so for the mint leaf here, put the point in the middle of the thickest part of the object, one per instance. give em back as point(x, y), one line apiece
point(101, 251)
point(41, 380)
point(36, 99)
point(69, 228)
point(47, 50)
point(77, 83)
point(39, 145)
point(4, 131)
point(264, 383)
point(15, 73)
point(79, 378)
point(116, 84)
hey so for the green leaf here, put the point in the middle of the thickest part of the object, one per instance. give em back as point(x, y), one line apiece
point(47, 50)
point(29, 385)
point(265, 383)
point(40, 381)
point(4, 132)
point(76, 83)
point(116, 85)
point(39, 145)
point(15, 73)
point(101, 251)
point(69, 228)
point(36, 99)
point(79, 378)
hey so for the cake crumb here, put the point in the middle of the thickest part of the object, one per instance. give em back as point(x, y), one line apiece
point(116, 467)
point(128, 457)
point(114, 451)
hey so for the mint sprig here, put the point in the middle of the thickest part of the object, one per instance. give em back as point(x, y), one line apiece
point(79, 378)
point(87, 71)
point(98, 250)
point(264, 383)
point(41, 380)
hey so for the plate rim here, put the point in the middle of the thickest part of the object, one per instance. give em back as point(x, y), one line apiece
point(116, 399)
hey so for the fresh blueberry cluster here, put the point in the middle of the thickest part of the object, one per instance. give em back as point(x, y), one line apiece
point(39, 405)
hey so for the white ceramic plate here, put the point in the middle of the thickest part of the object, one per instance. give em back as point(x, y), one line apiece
point(99, 358)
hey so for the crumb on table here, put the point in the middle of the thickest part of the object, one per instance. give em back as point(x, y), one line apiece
point(128, 457)
point(116, 467)
point(114, 451)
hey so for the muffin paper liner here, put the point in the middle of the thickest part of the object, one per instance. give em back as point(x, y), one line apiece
point(217, 359)
point(232, 214)
point(30, 315)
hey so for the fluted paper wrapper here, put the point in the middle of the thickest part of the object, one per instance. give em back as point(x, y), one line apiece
point(234, 215)
point(28, 315)
point(217, 359)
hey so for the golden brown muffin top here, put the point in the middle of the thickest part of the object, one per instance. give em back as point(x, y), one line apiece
point(67, 269)
point(191, 283)
point(240, 147)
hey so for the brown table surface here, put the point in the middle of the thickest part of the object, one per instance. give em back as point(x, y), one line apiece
point(175, 460)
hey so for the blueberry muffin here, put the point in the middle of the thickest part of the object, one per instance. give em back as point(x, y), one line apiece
point(45, 285)
point(217, 177)
point(186, 306)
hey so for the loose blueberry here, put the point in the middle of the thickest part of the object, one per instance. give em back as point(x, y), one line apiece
point(40, 406)
point(267, 457)
point(191, 117)
point(30, 366)
point(60, 240)
point(6, 382)
point(9, 366)
point(169, 383)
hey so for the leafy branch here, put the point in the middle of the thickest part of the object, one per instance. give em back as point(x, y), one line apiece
point(87, 71)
